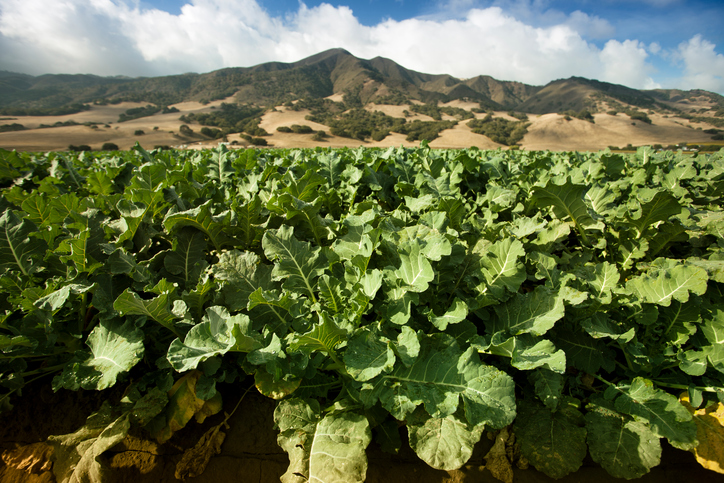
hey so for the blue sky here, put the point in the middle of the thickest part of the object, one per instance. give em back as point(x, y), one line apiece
point(638, 43)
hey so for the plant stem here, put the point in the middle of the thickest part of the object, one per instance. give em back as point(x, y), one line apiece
point(682, 386)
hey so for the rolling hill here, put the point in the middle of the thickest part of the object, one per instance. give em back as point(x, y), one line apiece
point(335, 88)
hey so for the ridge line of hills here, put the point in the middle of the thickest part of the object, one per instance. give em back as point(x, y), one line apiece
point(378, 80)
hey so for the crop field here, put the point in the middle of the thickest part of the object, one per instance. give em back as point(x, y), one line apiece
point(573, 300)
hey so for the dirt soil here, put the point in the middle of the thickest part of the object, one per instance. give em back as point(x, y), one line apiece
point(249, 451)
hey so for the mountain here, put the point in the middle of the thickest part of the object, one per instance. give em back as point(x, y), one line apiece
point(337, 71)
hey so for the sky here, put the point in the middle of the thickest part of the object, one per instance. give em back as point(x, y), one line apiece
point(644, 44)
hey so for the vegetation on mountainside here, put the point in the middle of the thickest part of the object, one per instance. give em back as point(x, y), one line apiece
point(499, 130)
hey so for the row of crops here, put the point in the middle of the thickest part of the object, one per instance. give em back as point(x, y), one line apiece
point(574, 299)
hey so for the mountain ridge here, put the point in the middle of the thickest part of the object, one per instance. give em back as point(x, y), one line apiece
point(337, 71)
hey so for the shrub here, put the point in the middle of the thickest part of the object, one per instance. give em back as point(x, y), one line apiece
point(210, 132)
point(284, 129)
point(138, 132)
point(109, 147)
point(12, 127)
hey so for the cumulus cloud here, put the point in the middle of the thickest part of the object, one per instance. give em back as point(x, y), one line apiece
point(111, 37)
point(703, 66)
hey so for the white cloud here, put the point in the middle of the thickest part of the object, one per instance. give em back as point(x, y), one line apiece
point(703, 66)
point(110, 37)
point(625, 63)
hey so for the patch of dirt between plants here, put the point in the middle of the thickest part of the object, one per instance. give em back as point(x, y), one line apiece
point(249, 452)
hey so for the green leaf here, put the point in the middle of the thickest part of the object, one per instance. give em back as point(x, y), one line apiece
point(100, 183)
point(442, 376)
point(455, 314)
point(670, 281)
point(18, 249)
point(604, 279)
point(415, 269)
point(553, 442)
point(535, 312)
point(368, 355)
point(548, 386)
point(357, 242)
point(661, 207)
point(248, 222)
point(600, 325)
point(188, 257)
point(114, 349)
point(242, 273)
point(567, 202)
point(444, 443)
point(501, 267)
point(216, 335)
point(323, 337)
point(666, 417)
point(623, 447)
point(201, 219)
point(157, 308)
point(296, 263)
point(583, 352)
point(329, 448)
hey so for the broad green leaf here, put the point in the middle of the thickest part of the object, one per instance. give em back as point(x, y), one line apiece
point(548, 386)
point(528, 352)
point(18, 249)
point(157, 308)
point(455, 314)
point(567, 202)
point(323, 337)
point(408, 346)
point(713, 327)
point(274, 389)
point(660, 208)
point(553, 442)
point(680, 322)
point(501, 267)
point(100, 183)
point(605, 279)
point(600, 325)
point(440, 378)
point(216, 335)
point(248, 221)
point(202, 219)
point(242, 273)
point(188, 257)
point(357, 242)
point(367, 355)
point(535, 312)
point(623, 447)
point(272, 308)
point(114, 349)
point(444, 443)
point(295, 262)
point(660, 286)
point(666, 417)
point(583, 352)
point(330, 291)
point(322, 449)
point(415, 269)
